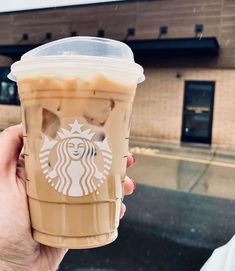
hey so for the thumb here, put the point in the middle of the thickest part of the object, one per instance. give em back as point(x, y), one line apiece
point(11, 143)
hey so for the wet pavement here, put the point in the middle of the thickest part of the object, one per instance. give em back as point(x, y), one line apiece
point(201, 173)
point(163, 230)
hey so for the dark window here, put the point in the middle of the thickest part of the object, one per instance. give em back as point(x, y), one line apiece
point(8, 89)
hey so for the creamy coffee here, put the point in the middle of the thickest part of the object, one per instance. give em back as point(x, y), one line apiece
point(76, 144)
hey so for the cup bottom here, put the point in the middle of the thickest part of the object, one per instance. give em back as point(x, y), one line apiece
point(75, 242)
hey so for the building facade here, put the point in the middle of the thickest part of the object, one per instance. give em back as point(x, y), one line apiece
point(186, 47)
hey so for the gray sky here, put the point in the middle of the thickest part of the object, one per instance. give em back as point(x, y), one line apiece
point(13, 5)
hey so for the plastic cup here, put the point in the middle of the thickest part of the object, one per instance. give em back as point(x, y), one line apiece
point(76, 97)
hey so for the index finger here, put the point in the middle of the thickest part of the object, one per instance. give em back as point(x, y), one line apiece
point(11, 142)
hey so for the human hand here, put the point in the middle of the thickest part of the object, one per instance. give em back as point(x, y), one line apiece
point(18, 250)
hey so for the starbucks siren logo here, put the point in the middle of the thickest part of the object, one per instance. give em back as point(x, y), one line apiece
point(74, 171)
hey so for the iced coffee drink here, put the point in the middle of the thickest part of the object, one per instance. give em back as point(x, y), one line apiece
point(76, 131)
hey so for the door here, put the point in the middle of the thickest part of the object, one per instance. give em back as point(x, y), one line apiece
point(198, 111)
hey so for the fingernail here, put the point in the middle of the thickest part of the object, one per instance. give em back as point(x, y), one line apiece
point(133, 157)
point(134, 183)
point(128, 162)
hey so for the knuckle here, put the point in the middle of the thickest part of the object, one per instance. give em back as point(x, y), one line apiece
point(8, 132)
point(3, 167)
point(9, 129)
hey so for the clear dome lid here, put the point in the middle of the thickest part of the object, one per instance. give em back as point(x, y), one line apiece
point(77, 53)
point(83, 46)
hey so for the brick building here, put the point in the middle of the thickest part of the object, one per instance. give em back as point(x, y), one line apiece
point(187, 49)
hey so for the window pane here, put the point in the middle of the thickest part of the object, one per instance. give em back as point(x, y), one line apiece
point(8, 88)
point(196, 125)
point(198, 94)
point(8, 93)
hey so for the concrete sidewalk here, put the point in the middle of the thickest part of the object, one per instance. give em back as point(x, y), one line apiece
point(185, 168)
point(190, 150)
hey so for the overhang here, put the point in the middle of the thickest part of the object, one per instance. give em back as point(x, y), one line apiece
point(175, 47)
point(153, 47)
point(16, 51)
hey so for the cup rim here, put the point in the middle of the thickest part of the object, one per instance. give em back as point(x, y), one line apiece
point(75, 60)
